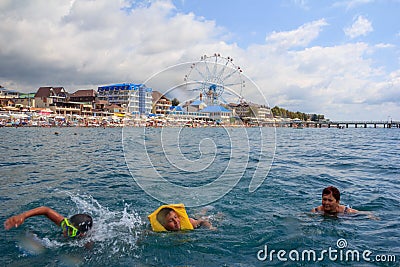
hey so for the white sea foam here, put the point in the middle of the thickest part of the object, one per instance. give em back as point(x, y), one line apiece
point(113, 232)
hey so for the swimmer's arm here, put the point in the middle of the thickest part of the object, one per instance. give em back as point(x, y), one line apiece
point(350, 210)
point(17, 220)
point(201, 222)
point(369, 214)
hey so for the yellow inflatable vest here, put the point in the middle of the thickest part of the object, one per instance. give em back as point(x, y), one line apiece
point(180, 211)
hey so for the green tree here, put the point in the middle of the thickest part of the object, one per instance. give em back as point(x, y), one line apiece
point(284, 113)
point(175, 102)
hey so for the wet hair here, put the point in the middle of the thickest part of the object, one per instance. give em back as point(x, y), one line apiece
point(83, 222)
point(162, 214)
point(331, 189)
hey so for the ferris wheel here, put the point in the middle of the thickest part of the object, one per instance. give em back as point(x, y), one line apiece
point(217, 78)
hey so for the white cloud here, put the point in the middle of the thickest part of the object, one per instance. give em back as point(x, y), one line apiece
point(84, 44)
point(96, 42)
point(361, 27)
point(302, 36)
point(316, 78)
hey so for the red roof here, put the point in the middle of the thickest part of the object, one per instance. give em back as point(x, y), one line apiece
point(49, 91)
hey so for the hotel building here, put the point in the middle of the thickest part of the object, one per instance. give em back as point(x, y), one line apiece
point(136, 98)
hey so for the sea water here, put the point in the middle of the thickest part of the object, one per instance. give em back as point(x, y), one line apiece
point(108, 174)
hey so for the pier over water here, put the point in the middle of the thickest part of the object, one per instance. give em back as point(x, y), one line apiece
point(342, 124)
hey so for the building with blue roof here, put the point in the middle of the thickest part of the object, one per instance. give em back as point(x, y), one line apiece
point(218, 113)
point(136, 98)
point(195, 106)
point(178, 113)
point(176, 109)
point(6, 93)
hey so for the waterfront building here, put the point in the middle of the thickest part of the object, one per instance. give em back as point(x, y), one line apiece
point(100, 108)
point(91, 105)
point(161, 104)
point(218, 113)
point(115, 93)
point(25, 100)
point(145, 101)
point(47, 97)
point(14, 100)
point(250, 111)
point(114, 109)
point(194, 105)
point(83, 99)
point(7, 98)
point(85, 95)
point(6, 93)
point(177, 113)
point(8, 104)
point(136, 98)
point(55, 99)
point(264, 112)
point(175, 110)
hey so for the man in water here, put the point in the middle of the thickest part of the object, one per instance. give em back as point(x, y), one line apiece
point(331, 202)
point(171, 221)
point(173, 217)
point(76, 226)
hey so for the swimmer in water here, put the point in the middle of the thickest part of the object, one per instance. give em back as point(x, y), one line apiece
point(171, 221)
point(76, 226)
point(331, 202)
point(173, 217)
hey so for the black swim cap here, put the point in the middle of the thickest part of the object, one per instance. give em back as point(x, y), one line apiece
point(83, 222)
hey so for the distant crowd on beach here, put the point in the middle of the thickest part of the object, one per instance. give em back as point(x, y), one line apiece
point(23, 119)
point(58, 122)
point(111, 121)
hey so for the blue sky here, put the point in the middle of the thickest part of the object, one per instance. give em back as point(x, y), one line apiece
point(337, 58)
point(249, 22)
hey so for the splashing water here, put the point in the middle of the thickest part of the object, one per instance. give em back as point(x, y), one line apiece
point(113, 232)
